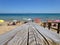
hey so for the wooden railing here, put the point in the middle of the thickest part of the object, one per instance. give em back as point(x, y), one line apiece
point(51, 25)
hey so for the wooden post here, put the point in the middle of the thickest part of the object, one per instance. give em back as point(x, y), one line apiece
point(58, 28)
point(44, 24)
point(49, 25)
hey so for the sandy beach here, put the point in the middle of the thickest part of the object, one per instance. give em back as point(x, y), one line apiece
point(5, 28)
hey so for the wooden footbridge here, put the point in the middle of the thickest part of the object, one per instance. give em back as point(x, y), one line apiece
point(30, 34)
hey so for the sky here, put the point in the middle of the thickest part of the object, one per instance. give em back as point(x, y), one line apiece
point(29, 6)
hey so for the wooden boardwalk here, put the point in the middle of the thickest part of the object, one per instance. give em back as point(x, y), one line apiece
point(30, 34)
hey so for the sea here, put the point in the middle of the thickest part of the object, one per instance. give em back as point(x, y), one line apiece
point(22, 16)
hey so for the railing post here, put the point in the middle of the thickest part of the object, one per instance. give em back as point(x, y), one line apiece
point(58, 28)
point(44, 24)
point(49, 25)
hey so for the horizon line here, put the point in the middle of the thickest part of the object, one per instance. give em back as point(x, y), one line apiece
point(18, 13)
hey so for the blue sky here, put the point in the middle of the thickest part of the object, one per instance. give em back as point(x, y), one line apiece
point(29, 6)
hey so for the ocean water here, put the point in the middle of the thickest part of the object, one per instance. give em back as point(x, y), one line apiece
point(42, 16)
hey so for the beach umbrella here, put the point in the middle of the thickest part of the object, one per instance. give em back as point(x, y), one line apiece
point(49, 20)
point(14, 20)
point(56, 20)
point(37, 20)
point(29, 19)
point(25, 19)
point(1, 21)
